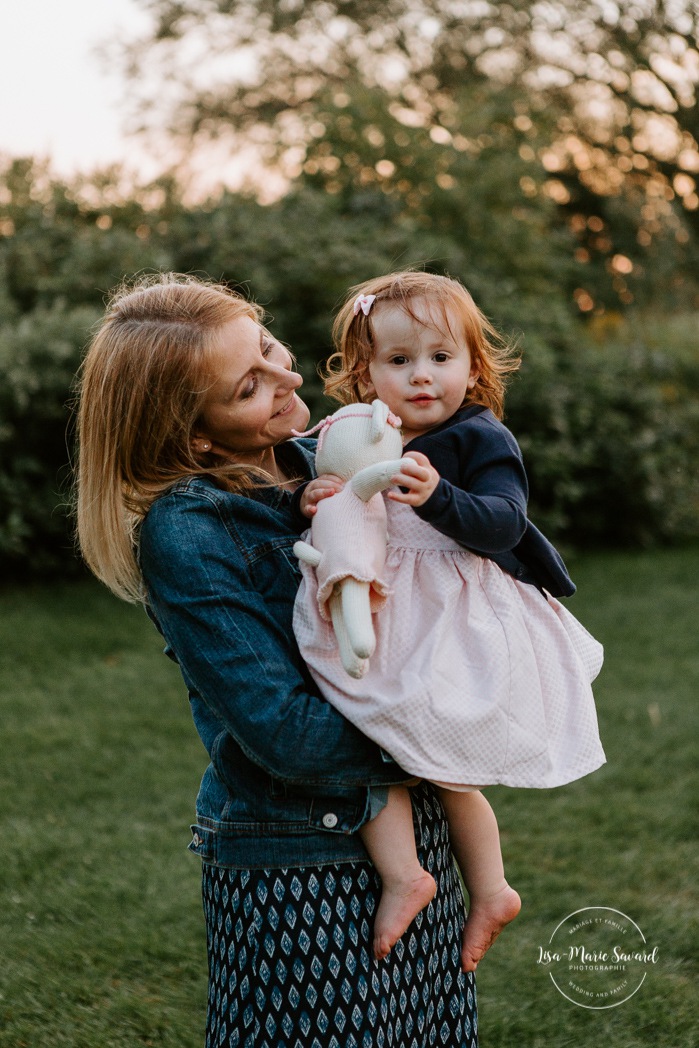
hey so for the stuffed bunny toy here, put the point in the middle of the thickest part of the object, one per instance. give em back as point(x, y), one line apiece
point(362, 445)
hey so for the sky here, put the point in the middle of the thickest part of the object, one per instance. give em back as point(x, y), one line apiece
point(57, 100)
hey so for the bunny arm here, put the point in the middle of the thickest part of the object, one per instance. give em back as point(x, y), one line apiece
point(375, 478)
point(307, 553)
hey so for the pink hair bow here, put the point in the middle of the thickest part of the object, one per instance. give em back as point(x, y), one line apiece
point(363, 302)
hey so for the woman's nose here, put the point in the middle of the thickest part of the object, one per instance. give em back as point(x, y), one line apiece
point(287, 379)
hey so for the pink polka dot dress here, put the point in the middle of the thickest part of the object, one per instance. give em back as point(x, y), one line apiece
point(477, 678)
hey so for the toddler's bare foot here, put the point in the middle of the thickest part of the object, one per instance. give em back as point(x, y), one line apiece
point(400, 904)
point(486, 919)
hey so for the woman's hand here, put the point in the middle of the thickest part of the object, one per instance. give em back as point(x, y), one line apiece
point(320, 488)
point(419, 477)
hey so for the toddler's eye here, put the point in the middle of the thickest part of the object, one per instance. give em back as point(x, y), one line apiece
point(440, 358)
point(398, 360)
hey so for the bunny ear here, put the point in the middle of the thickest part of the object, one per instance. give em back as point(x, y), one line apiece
point(379, 417)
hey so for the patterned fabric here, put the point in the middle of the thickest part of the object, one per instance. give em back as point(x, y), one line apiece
point(476, 678)
point(290, 962)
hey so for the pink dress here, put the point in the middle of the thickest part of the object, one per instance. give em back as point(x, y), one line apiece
point(476, 679)
point(362, 552)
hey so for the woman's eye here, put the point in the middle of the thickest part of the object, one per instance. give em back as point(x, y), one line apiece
point(249, 390)
point(267, 347)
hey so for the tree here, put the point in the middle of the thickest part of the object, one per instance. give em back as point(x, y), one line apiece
point(576, 405)
point(600, 98)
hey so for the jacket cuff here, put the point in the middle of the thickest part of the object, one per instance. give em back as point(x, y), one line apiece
point(436, 504)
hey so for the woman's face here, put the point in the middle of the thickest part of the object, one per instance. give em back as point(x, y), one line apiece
point(252, 404)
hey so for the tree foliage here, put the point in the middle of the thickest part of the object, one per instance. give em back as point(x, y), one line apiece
point(600, 100)
point(544, 153)
point(607, 414)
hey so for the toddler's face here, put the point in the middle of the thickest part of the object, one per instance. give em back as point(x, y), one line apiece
point(419, 369)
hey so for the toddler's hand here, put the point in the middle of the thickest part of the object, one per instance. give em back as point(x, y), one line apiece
point(320, 488)
point(419, 477)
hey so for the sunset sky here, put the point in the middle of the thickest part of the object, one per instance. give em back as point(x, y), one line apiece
point(57, 99)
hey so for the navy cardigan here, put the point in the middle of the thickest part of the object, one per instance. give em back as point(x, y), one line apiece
point(481, 498)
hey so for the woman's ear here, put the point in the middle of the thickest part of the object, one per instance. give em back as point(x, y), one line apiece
point(200, 444)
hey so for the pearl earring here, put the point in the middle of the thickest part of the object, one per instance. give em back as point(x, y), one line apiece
point(205, 446)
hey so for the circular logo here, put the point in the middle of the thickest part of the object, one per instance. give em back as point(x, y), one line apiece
point(597, 957)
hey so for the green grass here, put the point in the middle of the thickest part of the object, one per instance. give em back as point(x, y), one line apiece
point(102, 931)
point(625, 837)
point(102, 934)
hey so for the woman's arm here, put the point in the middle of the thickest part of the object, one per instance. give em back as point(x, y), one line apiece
point(239, 657)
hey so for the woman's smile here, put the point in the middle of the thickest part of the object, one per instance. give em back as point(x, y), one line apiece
point(252, 405)
point(288, 407)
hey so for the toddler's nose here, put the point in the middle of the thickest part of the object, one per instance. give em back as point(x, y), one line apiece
point(421, 374)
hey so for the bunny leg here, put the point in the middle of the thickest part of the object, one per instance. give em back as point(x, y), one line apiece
point(356, 611)
point(351, 663)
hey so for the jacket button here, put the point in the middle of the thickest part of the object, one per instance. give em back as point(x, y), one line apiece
point(330, 820)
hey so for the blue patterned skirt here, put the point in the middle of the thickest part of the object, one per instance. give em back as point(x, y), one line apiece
point(291, 964)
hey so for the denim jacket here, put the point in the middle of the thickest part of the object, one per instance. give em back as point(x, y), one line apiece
point(288, 783)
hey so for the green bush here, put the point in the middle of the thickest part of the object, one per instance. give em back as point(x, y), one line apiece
point(607, 413)
point(610, 434)
point(39, 355)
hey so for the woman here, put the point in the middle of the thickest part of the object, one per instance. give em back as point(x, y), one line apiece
point(185, 481)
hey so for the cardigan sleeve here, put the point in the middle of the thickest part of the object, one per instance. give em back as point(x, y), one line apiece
point(481, 498)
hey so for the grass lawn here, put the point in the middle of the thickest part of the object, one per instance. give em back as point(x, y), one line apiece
point(102, 934)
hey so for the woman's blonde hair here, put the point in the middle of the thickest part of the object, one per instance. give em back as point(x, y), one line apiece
point(354, 340)
point(141, 392)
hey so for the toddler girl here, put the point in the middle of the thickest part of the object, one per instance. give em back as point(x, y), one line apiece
point(479, 676)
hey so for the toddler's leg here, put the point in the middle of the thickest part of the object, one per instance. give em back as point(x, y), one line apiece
point(475, 841)
point(406, 887)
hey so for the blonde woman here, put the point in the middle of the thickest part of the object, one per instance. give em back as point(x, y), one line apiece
point(186, 482)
